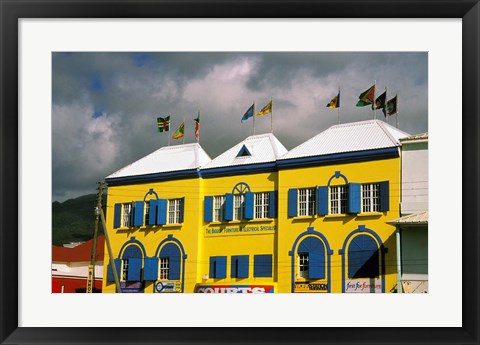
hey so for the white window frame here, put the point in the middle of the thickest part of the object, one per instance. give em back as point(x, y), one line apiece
point(147, 212)
point(262, 205)
point(124, 270)
point(238, 206)
point(306, 201)
point(370, 197)
point(127, 209)
point(218, 208)
point(163, 268)
point(338, 198)
point(174, 209)
point(303, 265)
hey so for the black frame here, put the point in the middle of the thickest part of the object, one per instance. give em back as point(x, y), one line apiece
point(11, 11)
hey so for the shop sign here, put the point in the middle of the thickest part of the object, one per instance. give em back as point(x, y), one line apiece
point(235, 289)
point(166, 287)
point(136, 287)
point(363, 285)
point(311, 287)
point(235, 230)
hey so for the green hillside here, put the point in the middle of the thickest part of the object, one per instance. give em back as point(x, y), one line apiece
point(74, 220)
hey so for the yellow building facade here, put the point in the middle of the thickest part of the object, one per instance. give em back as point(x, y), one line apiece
point(259, 218)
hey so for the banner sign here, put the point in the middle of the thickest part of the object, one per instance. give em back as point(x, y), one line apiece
point(135, 287)
point(167, 287)
point(311, 287)
point(235, 289)
point(238, 230)
point(363, 285)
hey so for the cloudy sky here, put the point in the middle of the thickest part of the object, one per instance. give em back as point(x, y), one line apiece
point(105, 105)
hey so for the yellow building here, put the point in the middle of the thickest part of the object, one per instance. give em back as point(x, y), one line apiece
point(259, 218)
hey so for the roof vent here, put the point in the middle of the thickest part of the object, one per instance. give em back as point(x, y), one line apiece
point(244, 152)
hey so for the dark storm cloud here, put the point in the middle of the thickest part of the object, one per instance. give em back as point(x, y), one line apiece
point(105, 104)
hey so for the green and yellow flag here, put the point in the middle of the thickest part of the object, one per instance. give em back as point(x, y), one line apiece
point(265, 110)
point(335, 102)
point(366, 97)
point(180, 132)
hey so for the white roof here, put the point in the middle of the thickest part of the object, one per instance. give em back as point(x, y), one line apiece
point(411, 219)
point(166, 159)
point(349, 137)
point(262, 148)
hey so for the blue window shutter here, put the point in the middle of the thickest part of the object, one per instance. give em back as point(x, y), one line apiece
point(316, 264)
point(272, 207)
point(249, 201)
point(134, 269)
point(152, 216)
point(150, 270)
point(182, 209)
point(117, 214)
point(354, 198)
point(363, 256)
point(242, 268)
point(228, 215)
point(211, 272)
point(207, 209)
point(234, 266)
point(162, 211)
point(138, 213)
point(292, 202)
point(110, 276)
point(262, 265)
point(221, 269)
point(174, 268)
point(322, 200)
point(384, 196)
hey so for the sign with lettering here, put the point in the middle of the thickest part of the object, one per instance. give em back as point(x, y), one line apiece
point(90, 278)
point(363, 285)
point(166, 287)
point(311, 287)
point(238, 230)
point(234, 289)
point(128, 287)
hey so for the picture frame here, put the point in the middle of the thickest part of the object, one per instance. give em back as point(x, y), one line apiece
point(11, 12)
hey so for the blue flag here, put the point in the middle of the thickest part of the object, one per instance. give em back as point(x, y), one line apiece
point(248, 114)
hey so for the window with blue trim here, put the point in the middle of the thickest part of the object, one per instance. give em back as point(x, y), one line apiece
point(311, 258)
point(175, 207)
point(218, 267)
point(363, 257)
point(262, 205)
point(262, 265)
point(239, 266)
point(170, 262)
point(338, 199)
point(218, 208)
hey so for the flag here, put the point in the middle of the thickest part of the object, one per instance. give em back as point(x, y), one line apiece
point(366, 97)
point(179, 132)
point(265, 110)
point(391, 106)
point(249, 113)
point(163, 124)
point(335, 102)
point(380, 102)
point(197, 126)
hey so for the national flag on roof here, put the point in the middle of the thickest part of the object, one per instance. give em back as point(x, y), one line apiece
point(391, 107)
point(335, 102)
point(265, 110)
point(197, 126)
point(248, 113)
point(366, 97)
point(180, 132)
point(163, 124)
point(380, 102)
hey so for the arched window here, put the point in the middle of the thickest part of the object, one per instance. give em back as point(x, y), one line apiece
point(169, 268)
point(363, 257)
point(311, 258)
point(131, 264)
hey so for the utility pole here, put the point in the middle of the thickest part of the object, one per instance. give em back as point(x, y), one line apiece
point(110, 254)
point(91, 267)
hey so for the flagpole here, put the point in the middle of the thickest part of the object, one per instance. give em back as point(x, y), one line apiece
point(374, 107)
point(396, 114)
point(183, 141)
point(198, 117)
point(338, 108)
point(271, 116)
point(254, 117)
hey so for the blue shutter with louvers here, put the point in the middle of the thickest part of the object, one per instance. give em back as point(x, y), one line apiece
point(221, 269)
point(292, 202)
point(249, 201)
point(228, 207)
point(182, 210)
point(262, 265)
point(363, 256)
point(152, 216)
point(211, 272)
point(134, 269)
point(138, 213)
point(322, 200)
point(272, 206)
point(117, 215)
point(316, 264)
point(174, 267)
point(384, 196)
point(242, 268)
point(150, 271)
point(110, 276)
point(162, 211)
point(207, 209)
point(354, 198)
point(233, 266)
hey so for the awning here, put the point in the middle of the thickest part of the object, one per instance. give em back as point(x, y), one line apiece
point(420, 218)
